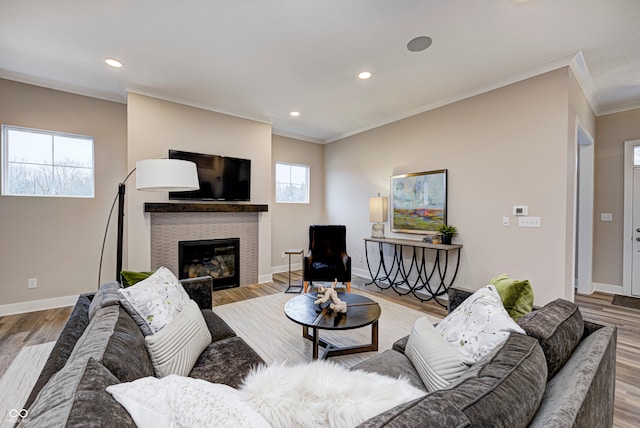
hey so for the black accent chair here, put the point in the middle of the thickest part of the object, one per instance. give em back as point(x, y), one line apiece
point(327, 258)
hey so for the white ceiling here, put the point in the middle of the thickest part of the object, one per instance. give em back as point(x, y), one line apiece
point(260, 59)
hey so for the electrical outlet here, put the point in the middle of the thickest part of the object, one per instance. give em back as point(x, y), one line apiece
point(282, 255)
point(32, 283)
point(505, 221)
point(359, 257)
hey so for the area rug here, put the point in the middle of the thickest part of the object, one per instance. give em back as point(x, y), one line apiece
point(261, 322)
point(18, 381)
point(626, 301)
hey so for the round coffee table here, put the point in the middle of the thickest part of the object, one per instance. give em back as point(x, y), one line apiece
point(361, 312)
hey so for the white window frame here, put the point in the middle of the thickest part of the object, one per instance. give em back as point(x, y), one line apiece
point(5, 161)
point(308, 185)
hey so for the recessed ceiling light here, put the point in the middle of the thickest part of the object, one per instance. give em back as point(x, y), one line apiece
point(295, 113)
point(112, 62)
point(364, 75)
point(419, 43)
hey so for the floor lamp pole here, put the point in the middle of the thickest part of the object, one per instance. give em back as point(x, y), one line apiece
point(121, 189)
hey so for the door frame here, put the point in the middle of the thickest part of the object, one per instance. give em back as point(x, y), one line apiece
point(583, 224)
point(583, 209)
point(627, 234)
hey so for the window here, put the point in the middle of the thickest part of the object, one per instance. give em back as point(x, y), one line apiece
point(636, 155)
point(292, 183)
point(45, 163)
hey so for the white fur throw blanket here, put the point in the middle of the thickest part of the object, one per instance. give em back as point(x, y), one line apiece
point(322, 394)
point(318, 394)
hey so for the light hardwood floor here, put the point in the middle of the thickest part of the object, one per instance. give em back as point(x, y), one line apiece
point(35, 328)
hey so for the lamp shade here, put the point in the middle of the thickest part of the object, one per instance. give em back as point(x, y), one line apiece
point(378, 209)
point(166, 175)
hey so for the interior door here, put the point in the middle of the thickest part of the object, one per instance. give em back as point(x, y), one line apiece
point(635, 270)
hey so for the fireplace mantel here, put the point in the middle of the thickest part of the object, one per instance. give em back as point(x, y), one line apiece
point(180, 207)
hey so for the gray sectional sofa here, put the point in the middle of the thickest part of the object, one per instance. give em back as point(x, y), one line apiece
point(560, 375)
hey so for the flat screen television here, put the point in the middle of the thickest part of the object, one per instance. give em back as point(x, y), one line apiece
point(221, 178)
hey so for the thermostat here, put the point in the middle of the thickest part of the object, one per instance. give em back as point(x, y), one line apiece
point(520, 210)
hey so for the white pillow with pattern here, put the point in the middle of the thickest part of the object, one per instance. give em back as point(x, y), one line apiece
point(479, 324)
point(157, 299)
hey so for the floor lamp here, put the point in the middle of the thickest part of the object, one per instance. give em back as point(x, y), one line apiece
point(152, 175)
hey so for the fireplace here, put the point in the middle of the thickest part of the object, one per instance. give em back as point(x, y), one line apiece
point(218, 258)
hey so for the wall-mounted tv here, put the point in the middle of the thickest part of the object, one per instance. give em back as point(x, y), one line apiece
point(221, 178)
point(419, 202)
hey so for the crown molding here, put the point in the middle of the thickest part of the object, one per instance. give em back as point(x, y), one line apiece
point(120, 98)
point(580, 70)
point(296, 136)
point(201, 106)
point(536, 70)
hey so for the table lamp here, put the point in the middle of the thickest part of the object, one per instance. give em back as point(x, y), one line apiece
point(378, 214)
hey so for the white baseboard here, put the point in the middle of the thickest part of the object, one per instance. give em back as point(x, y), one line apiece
point(38, 305)
point(265, 278)
point(364, 273)
point(285, 268)
point(608, 288)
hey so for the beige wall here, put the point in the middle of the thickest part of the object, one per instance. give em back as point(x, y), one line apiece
point(503, 148)
point(290, 224)
point(510, 146)
point(155, 126)
point(57, 240)
point(612, 131)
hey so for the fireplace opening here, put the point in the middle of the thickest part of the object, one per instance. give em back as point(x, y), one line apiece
point(218, 258)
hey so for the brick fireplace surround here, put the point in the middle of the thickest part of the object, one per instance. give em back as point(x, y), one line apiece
point(172, 223)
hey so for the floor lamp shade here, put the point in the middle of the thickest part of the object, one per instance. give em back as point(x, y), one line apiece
point(378, 209)
point(153, 175)
point(165, 175)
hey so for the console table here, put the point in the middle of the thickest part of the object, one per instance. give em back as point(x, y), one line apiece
point(428, 269)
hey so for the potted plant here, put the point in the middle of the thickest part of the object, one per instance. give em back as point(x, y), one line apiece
point(446, 233)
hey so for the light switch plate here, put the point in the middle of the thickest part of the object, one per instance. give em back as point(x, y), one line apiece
point(529, 222)
point(606, 217)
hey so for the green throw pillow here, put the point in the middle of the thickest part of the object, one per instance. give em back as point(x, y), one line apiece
point(516, 295)
point(130, 277)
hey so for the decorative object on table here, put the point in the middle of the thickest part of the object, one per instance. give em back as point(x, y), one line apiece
point(419, 202)
point(153, 175)
point(447, 232)
point(378, 209)
point(325, 294)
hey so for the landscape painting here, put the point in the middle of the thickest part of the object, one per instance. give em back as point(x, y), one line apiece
point(419, 202)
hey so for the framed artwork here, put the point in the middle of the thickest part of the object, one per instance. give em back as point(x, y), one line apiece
point(419, 202)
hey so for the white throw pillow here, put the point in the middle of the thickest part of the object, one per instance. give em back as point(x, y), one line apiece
point(479, 324)
point(157, 299)
point(176, 401)
point(437, 362)
point(176, 348)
